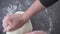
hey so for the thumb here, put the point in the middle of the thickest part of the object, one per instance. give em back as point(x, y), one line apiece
point(10, 28)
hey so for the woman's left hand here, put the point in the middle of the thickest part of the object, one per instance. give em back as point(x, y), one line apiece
point(37, 32)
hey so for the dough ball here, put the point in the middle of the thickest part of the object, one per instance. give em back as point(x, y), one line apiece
point(27, 27)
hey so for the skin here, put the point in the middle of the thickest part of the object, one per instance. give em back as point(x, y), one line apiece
point(15, 21)
point(37, 32)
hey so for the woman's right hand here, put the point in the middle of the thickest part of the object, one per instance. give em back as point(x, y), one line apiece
point(14, 21)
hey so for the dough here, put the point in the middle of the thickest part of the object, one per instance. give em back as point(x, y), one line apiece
point(27, 27)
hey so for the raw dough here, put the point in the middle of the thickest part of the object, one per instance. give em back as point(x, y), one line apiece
point(27, 27)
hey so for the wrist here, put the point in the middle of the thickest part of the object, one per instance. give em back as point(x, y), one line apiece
point(26, 17)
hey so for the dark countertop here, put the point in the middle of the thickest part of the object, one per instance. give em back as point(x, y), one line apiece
point(47, 20)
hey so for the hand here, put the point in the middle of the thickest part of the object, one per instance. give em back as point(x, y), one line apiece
point(37, 32)
point(13, 22)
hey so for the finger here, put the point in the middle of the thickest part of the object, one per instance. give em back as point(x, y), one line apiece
point(4, 30)
point(10, 28)
point(38, 32)
point(5, 22)
point(29, 33)
point(5, 25)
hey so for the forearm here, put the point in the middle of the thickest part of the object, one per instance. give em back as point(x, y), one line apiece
point(34, 9)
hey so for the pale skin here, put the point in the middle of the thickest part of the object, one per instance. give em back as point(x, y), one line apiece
point(15, 21)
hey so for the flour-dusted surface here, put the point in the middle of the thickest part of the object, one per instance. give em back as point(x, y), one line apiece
point(48, 20)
